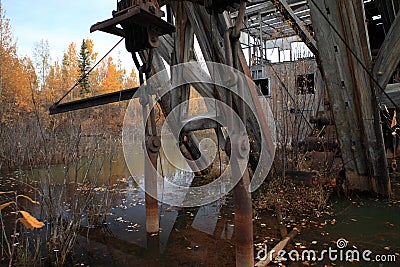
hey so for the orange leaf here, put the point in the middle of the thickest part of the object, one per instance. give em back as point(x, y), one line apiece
point(394, 120)
point(29, 221)
point(2, 206)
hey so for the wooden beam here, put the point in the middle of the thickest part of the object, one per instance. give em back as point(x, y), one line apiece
point(388, 10)
point(340, 32)
point(297, 25)
point(389, 55)
point(267, 7)
point(272, 254)
point(165, 48)
point(93, 101)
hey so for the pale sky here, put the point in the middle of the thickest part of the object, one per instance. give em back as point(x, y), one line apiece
point(62, 22)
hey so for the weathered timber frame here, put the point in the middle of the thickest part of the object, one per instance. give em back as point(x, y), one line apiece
point(345, 57)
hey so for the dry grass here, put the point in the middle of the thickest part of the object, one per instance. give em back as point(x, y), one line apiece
point(293, 198)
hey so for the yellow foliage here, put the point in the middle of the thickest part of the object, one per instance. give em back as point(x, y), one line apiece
point(29, 221)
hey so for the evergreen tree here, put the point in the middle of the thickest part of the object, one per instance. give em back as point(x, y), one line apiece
point(84, 66)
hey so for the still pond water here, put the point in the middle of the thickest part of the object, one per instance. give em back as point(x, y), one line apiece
point(204, 236)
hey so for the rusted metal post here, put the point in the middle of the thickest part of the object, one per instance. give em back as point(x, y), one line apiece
point(153, 144)
point(243, 214)
point(242, 197)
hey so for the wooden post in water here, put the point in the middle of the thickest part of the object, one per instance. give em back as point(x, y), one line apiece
point(243, 223)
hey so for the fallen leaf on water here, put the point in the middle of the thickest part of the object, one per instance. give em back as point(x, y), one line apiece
point(29, 221)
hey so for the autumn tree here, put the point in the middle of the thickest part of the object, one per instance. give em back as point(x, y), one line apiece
point(114, 77)
point(131, 80)
point(42, 60)
point(70, 68)
point(7, 53)
point(15, 83)
point(54, 82)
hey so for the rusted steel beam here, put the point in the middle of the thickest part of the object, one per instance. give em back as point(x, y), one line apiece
point(153, 145)
point(297, 25)
point(243, 203)
point(243, 221)
point(93, 101)
point(201, 124)
point(389, 55)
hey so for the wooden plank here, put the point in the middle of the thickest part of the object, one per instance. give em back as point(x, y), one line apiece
point(272, 254)
point(267, 7)
point(297, 25)
point(201, 34)
point(353, 19)
point(389, 55)
point(137, 15)
point(99, 100)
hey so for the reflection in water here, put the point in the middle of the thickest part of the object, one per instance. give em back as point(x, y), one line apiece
point(200, 236)
point(188, 237)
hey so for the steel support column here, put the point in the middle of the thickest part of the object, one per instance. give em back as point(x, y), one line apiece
point(152, 144)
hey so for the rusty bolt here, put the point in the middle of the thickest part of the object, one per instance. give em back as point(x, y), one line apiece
point(244, 148)
point(156, 142)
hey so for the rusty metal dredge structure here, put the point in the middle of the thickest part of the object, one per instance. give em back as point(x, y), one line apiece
point(337, 34)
